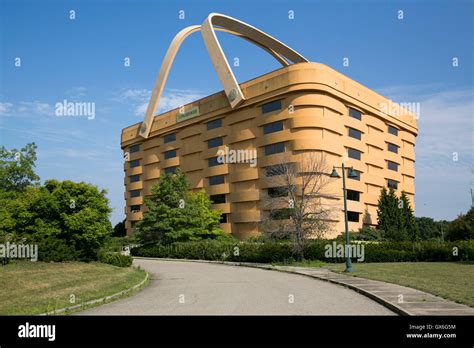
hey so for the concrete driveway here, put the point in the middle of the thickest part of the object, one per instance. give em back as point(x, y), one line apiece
point(191, 288)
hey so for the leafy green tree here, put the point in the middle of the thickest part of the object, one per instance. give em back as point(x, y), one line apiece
point(462, 227)
point(430, 229)
point(17, 168)
point(175, 214)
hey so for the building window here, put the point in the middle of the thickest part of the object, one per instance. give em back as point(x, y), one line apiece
point(134, 193)
point(273, 127)
point(134, 178)
point(135, 208)
point(217, 199)
point(134, 163)
point(272, 106)
point(134, 148)
point(223, 219)
point(392, 130)
point(170, 154)
point(392, 184)
point(353, 216)
point(392, 148)
point(171, 170)
point(213, 161)
point(354, 133)
point(281, 214)
point(392, 166)
point(216, 180)
point(214, 124)
point(274, 148)
point(168, 138)
point(214, 142)
point(353, 153)
point(278, 191)
point(353, 195)
point(355, 113)
point(355, 177)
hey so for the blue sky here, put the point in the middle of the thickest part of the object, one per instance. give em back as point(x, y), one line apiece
point(408, 60)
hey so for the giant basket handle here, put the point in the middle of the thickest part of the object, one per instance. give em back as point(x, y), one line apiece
point(221, 65)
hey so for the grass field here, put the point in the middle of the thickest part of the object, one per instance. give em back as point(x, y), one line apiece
point(450, 280)
point(37, 287)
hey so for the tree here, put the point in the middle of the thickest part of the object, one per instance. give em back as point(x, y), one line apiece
point(407, 219)
point(430, 229)
point(119, 229)
point(68, 220)
point(390, 216)
point(17, 168)
point(462, 228)
point(175, 214)
point(295, 205)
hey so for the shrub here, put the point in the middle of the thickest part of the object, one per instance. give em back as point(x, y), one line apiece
point(269, 252)
point(116, 259)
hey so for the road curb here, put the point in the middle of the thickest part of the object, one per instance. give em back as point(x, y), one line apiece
point(99, 300)
point(268, 267)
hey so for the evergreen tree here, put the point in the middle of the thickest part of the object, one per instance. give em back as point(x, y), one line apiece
point(175, 214)
point(408, 224)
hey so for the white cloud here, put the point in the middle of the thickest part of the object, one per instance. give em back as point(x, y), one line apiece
point(138, 99)
point(76, 93)
point(6, 109)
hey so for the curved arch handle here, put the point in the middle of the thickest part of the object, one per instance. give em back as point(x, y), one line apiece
point(221, 65)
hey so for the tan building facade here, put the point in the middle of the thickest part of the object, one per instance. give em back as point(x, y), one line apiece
point(300, 108)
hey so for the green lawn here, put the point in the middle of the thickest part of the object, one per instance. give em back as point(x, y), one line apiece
point(37, 287)
point(305, 263)
point(450, 280)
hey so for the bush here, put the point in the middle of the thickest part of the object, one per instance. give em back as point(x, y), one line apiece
point(314, 250)
point(116, 259)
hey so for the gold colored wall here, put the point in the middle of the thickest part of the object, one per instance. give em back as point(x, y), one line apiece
point(315, 112)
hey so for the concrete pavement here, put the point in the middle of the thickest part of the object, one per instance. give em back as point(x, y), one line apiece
point(194, 288)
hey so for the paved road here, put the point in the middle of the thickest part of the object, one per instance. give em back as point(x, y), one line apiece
point(202, 288)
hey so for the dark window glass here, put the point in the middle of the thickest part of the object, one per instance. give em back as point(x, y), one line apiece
point(223, 219)
point(392, 184)
point(353, 153)
point(354, 133)
point(214, 142)
point(353, 195)
point(392, 166)
point(135, 178)
point(214, 124)
point(217, 199)
point(216, 180)
point(171, 170)
point(392, 130)
point(170, 154)
point(134, 163)
point(392, 148)
point(134, 208)
point(273, 127)
point(213, 161)
point(135, 193)
point(355, 113)
point(134, 148)
point(281, 214)
point(278, 191)
point(353, 216)
point(168, 138)
point(274, 148)
point(273, 170)
point(357, 177)
point(272, 106)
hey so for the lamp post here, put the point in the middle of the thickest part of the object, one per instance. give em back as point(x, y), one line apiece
point(351, 174)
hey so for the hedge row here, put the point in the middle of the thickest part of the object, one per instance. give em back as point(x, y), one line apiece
point(269, 252)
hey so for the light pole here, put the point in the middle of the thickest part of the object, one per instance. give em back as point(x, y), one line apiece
point(351, 174)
